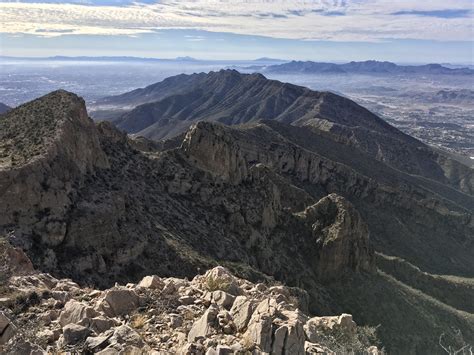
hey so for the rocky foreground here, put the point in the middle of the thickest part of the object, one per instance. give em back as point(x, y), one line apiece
point(214, 313)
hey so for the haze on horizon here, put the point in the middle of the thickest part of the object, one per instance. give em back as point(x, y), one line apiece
point(404, 31)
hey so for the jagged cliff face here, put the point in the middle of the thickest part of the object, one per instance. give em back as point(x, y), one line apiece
point(266, 200)
point(48, 146)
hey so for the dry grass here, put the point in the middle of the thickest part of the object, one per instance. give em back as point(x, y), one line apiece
point(138, 321)
point(217, 284)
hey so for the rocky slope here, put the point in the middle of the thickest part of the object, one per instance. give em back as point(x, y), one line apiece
point(214, 313)
point(168, 108)
point(269, 201)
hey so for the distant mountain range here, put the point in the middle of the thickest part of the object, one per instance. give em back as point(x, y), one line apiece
point(4, 108)
point(275, 65)
point(366, 67)
point(263, 60)
point(445, 96)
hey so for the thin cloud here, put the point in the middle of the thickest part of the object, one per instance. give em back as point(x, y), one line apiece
point(456, 13)
point(333, 20)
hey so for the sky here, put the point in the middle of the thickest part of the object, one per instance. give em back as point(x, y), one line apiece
point(404, 31)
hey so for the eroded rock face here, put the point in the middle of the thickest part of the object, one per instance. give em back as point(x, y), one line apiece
point(342, 237)
point(47, 161)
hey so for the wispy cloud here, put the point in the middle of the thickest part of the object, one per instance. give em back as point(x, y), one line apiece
point(336, 20)
point(194, 38)
point(449, 13)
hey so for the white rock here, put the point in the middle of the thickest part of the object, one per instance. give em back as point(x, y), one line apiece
point(76, 312)
point(316, 325)
point(241, 311)
point(204, 325)
point(223, 299)
point(126, 335)
point(152, 282)
point(119, 301)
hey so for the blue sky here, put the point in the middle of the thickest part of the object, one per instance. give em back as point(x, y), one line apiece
point(338, 30)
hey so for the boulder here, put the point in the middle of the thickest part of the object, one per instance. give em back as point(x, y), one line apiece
point(153, 282)
point(224, 277)
point(295, 335)
point(322, 325)
point(204, 326)
point(241, 312)
point(98, 324)
point(17, 261)
point(7, 329)
point(74, 334)
point(95, 344)
point(126, 335)
point(76, 312)
point(278, 345)
point(119, 301)
point(223, 299)
point(259, 332)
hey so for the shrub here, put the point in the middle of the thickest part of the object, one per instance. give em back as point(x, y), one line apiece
point(138, 321)
point(343, 343)
point(217, 284)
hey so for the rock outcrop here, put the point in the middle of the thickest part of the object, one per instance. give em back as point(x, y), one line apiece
point(47, 146)
point(342, 237)
point(166, 322)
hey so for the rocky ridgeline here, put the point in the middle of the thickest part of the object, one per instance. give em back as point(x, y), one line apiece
point(47, 146)
point(268, 201)
point(214, 313)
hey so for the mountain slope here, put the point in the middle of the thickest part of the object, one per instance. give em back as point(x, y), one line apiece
point(4, 108)
point(233, 98)
point(267, 200)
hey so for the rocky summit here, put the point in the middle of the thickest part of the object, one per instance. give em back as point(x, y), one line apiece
point(214, 313)
point(252, 238)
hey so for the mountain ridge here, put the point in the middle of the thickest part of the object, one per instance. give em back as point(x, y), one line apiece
point(364, 67)
point(265, 199)
point(168, 108)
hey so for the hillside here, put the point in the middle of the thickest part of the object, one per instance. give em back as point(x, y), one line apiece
point(4, 108)
point(167, 109)
point(268, 200)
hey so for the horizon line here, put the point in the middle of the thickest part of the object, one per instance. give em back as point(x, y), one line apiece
point(193, 59)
